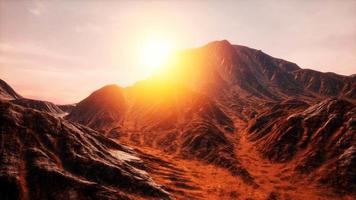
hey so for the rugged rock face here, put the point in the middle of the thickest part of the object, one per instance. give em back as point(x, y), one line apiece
point(46, 157)
point(39, 105)
point(6, 92)
point(320, 139)
point(249, 70)
point(326, 84)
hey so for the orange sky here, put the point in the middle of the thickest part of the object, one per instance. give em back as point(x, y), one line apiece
point(62, 50)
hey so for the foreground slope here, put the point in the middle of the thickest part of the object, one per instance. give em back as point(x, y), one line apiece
point(45, 157)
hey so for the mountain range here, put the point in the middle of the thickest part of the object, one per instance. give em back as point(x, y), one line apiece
point(220, 121)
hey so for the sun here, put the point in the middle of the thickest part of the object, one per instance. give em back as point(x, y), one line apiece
point(155, 52)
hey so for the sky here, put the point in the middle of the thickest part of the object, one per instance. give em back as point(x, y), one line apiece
point(61, 51)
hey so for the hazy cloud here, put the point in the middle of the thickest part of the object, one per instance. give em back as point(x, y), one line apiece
point(31, 49)
point(37, 8)
point(88, 27)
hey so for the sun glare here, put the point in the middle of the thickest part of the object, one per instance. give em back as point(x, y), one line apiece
point(155, 54)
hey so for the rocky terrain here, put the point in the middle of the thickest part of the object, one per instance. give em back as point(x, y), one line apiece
point(229, 122)
point(6, 92)
point(39, 105)
point(46, 157)
point(319, 140)
point(67, 107)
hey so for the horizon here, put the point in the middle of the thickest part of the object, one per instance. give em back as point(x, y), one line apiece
point(60, 45)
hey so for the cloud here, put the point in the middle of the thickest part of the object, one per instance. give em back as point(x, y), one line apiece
point(87, 27)
point(28, 56)
point(30, 49)
point(38, 8)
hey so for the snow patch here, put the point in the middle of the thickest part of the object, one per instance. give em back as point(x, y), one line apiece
point(123, 155)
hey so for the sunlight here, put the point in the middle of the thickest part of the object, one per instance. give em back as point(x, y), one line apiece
point(155, 53)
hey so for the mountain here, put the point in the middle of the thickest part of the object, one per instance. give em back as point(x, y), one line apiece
point(138, 115)
point(221, 121)
point(238, 79)
point(326, 84)
point(39, 105)
point(9, 94)
point(102, 108)
point(46, 157)
point(272, 128)
point(241, 68)
point(6, 92)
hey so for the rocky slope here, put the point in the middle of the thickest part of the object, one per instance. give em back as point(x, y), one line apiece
point(6, 92)
point(326, 84)
point(45, 157)
point(192, 127)
point(103, 108)
point(320, 139)
point(221, 66)
point(39, 105)
point(67, 107)
point(9, 94)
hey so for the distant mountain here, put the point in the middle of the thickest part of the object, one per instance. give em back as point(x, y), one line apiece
point(221, 66)
point(46, 157)
point(104, 107)
point(236, 78)
point(326, 84)
point(7, 93)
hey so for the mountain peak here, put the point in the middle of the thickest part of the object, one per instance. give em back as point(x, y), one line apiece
point(6, 92)
point(109, 88)
point(220, 48)
point(218, 43)
point(101, 108)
